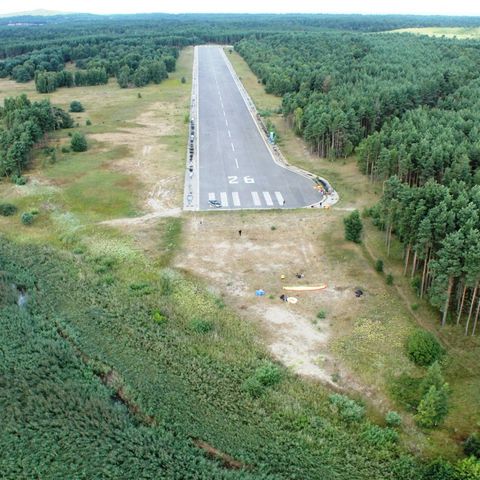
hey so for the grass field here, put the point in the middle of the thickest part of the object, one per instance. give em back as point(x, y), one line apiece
point(134, 163)
point(449, 32)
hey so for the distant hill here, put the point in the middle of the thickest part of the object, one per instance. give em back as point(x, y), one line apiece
point(33, 13)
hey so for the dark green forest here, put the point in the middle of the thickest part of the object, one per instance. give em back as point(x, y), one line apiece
point(408, 107)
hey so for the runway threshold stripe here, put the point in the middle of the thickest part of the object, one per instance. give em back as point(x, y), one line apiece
point(211, 196)
point(236, 199)
point(280, 199)
point(223, 199)
point(268, 199)
point(256, 199)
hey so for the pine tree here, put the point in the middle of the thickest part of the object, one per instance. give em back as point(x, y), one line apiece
point(353, 227)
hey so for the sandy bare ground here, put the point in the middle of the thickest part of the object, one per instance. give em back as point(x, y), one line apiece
point(238, 265)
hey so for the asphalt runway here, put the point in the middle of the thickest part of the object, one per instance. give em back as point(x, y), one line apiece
point(235, 164)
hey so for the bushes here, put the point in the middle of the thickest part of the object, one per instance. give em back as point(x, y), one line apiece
point(79, 142)
point(27, 218)
point(472, 445)
point(379, 266)
point(378, 436)
point(199, 325)
point(265, 376)
point(423, 348)
point(393, 419)
point(7, 209)
point(433, 407)
point(76, 107)
point(346, 408)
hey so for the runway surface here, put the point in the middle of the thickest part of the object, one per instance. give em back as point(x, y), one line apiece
point(236, 166)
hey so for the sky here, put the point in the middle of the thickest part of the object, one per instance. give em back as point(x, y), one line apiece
point(433, 7)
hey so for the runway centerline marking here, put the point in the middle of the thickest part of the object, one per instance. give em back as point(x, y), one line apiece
point(226, 122)
point(233, 148)
point(229, 134)
point(236, 162)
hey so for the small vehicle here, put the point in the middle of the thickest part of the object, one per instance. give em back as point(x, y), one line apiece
point(214, 203)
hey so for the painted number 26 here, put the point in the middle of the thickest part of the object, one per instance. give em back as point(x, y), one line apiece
point(234, 179)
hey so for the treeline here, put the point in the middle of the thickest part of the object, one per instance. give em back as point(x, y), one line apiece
point(202, 23)
point(338, 88)
point(24, 124)
point(432, 203)
point(134, 60)
point(442, 143)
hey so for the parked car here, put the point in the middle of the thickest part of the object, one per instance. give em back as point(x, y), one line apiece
point(214, 203)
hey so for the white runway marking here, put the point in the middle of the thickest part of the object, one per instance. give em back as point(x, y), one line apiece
point(229, 134)
point(256, 199)
point(211, 196)
point(226, 122)
point(236, 163)
point(280, 199)
point(268, 199)
point(223, 199)
point(233, 148)
point(236, 199)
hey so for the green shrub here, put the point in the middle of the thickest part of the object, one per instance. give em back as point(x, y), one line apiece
point(414, 306)
point(439, 469)
point(389, 279)
point(406, 391)
point(76, 107)
point(65, 150)
point(264, 376)
point(268, 374)
point(423, 348)
point(7, 209)
point(199, 325)
point(379, 265)
point(471, 445)
point(79, 142)
point(322, 314)
point(346, 408)
point(88, 122)
point(159, 317)
point(183, 80)
point(467, 469)
point(19, 180)
point(393, 419)
point(433, 407)
point(378, 436)
point(273, 228)
point(253, 387)
point(27, 218)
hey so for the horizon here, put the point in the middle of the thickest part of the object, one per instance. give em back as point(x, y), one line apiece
point(342, 7)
